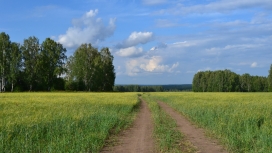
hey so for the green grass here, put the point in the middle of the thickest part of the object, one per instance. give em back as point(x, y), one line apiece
point(62, 122)
point(166, 134)
point(241, 121)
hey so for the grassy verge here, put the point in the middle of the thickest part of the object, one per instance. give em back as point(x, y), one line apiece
point(241, 121)
point(167, 137)
point(62, 122)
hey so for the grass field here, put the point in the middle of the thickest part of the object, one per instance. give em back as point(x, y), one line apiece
point(242, 121)
point(81, 122)
point(62, 122)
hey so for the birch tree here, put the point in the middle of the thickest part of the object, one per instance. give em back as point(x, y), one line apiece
point(269, 78)
point(4, 62)
point(15, 63)
point(52, 60)
point(31, 52)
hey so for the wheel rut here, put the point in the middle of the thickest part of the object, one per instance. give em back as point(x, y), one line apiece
point(193, 134)
point(138, 138)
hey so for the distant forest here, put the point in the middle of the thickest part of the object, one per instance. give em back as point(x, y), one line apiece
point(228, 81)
point(153, 88)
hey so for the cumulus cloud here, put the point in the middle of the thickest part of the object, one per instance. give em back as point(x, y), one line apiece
point(136, 38)
point(254, 64)
point(149, 65)
point(130, 52)
point(87, 29)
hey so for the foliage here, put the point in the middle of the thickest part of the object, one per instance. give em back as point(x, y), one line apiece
point(62, 122)
point(15, 63)
point(90, 70)
point(137, 88)
point(42, 67)
point(269, 79)
point(52, 60)
point(4, 59)
point(242, 122)
point(227, 81)
point(152, 88)
point(31, 51)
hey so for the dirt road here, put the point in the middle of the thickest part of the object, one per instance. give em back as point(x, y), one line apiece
point(138, 138)
point(195, 135)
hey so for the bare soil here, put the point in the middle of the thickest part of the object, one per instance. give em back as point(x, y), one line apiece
point(193, 134)
point(138, 138)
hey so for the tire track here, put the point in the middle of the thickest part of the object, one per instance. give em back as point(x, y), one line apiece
point(195, 135)
point(138, 138)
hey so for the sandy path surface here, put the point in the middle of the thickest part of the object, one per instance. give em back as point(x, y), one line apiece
point(138, 138)
point(195, 135)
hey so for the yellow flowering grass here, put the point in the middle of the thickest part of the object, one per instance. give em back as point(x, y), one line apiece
point(241, 121)
point(62, 122)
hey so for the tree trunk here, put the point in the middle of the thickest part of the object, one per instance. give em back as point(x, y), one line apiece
point(12, 87)
point(3, 84)
point(30, 88)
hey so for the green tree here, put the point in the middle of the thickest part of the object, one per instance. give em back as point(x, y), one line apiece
point(83, 66)
point(246, 82)
point(31, 54)
point(197, 82)
point(15, 63)
point(4, 62)
point(91, 69)
point(52, 60)
point(108, 74)
point(269, 79)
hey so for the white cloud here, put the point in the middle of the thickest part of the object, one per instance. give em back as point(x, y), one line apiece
point(87, 29)
point(136, 38)
point(254, 64)
point(153, 48)
point(152, 64)
point(92, 13)
point(130, 52)
point(149, 65)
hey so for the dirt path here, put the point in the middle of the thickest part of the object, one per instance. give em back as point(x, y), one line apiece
point(138, 138)
point(195, 135)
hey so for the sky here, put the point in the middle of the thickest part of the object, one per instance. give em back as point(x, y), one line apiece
point(153, 41)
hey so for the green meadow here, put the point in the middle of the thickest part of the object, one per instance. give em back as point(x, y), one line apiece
point(62, 122)
point(241, 121)
point(82, 122)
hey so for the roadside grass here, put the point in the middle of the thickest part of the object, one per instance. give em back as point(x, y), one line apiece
point(241, 121)
point(62, 122)
point(166, 134)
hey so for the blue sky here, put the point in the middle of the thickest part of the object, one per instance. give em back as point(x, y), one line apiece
point(153, 41)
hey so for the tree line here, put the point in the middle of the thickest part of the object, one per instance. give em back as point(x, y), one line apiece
point(32, 66)
point(153, 88)
point(137, 88)
point(228, 81)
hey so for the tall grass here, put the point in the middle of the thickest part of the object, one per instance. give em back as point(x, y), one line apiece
point(62, 122)
point(242, 121)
